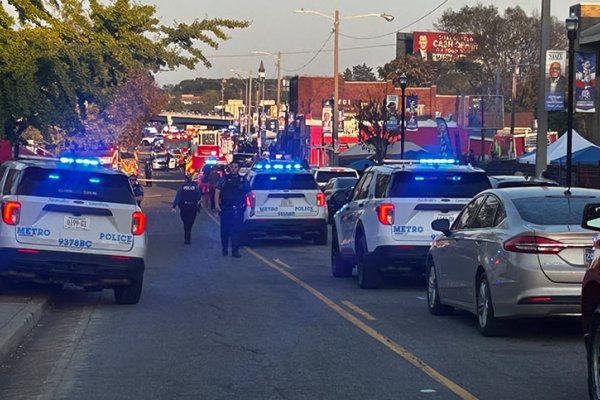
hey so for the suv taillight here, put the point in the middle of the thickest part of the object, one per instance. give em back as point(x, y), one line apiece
point(250, 199)
point(385, 213)
point(320, 199)
point(138, 223)
point(11, 212)
point(533, 245)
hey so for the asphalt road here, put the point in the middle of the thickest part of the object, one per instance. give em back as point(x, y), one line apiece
point(276, 325)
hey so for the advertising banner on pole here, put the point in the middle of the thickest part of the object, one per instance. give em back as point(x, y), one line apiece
point(585, 82)
point(556, 83)
point(326, 119)
point(412, 103)
point(391, 103)
point(443, 138)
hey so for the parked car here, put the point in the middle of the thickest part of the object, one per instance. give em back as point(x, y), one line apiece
point(504, 181)
point(514, 252)
point(324, 174)
point(590, 302)
point(335, 201)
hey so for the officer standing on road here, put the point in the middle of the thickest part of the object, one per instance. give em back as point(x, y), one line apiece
point(187, 199)
point(138, 190)
point(230, 201)
point(148, 173)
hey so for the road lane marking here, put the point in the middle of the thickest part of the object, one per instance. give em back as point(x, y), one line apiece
point(387, 342)
point(358, 310)
point(278, 261)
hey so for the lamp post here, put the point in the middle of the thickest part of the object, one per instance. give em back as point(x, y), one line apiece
point(278, 58)
point(572, 24)
point(261, 78)
point(403, 81)
point(336, 29)
point(249, 97)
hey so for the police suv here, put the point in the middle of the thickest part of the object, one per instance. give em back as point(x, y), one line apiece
point(385, 225)
point(285, 201)
point(69, 220)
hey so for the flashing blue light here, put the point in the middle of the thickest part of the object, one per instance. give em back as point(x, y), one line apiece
point(419, 178)
point(67, 160)
point(79, 161)
point(211, 161)
point(445, 161)
point(297, 166)
point(456, 178)
point(53, 176)
point(259, 166)
point(289, 166)
point(268, 166)
point(278, 166)
point(94, 180)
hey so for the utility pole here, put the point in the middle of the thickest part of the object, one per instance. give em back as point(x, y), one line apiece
point(334, 128)
point(541, 146)
point(513, 100)
point(278, 84)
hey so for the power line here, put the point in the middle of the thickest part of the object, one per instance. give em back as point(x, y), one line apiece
point(313, 58)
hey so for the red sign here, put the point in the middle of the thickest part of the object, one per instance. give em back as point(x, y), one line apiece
point(440, 46)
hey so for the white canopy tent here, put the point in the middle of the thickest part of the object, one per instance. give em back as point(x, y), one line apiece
point(558, 149)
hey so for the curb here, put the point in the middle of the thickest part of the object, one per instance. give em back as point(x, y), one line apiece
point(13, 333)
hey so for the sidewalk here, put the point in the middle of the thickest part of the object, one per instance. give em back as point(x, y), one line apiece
point(19, 313)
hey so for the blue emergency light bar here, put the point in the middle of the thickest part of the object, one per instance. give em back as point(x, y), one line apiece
point(53, 176)
point(79, 161)
point(279, 166)
point(211, 161)
point(438, 161)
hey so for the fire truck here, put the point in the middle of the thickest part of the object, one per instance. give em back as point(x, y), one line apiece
point(178, 145)
point(211, 145)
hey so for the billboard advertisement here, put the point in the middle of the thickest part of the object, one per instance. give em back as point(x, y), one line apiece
point(556, 83)
point(441, 46)
point(585, 82)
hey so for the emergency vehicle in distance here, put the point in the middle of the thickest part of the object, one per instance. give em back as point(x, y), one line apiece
point(210, 146)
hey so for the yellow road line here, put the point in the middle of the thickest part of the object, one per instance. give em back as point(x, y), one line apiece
point(358, 310)
point(387, 342)
point(278, 261)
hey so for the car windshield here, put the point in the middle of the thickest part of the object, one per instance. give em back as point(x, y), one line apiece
point(552, 210)
point(284, 181)
point(325, 176)
point(438, 184)
point(76, 184)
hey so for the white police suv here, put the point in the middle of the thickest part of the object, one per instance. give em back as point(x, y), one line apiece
point(324, 174)
point(385, 225)
point(69, 220)
point(285, 201)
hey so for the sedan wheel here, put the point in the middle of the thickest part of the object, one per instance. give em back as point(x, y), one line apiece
point(433, 298)
point(488, 324)
point(593, 360)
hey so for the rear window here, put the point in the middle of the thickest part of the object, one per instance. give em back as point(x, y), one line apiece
point(550, 210)
point(325, 176)
point(438, 184)
point(76, 184)
point(345, 182)
point(284, 181)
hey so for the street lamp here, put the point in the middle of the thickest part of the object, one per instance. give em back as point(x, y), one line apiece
point(403, 80)
point(572, 24)
point(278, 58)
point(261, 78)
point(336, 28)
point(249, 94)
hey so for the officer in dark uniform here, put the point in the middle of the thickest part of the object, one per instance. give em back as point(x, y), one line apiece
point(138, 190)
point(148, 173)
point(187, 198)
point(230, 199)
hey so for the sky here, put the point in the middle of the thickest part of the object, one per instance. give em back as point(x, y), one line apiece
point(275, 27)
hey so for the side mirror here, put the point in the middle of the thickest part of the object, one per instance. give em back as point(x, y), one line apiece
point(441, 225)
point(591, 217)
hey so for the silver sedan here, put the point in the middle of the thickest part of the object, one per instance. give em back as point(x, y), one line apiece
point(514, 252)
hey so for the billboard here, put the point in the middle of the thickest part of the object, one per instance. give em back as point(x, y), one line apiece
point(441, 46)
point(555, 83)
point(585, 82)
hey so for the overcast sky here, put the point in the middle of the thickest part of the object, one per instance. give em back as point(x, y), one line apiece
point(275, 27)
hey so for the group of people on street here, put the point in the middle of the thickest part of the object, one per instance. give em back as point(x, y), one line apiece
point(229, 200)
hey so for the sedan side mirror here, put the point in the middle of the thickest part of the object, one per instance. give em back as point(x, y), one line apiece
point(591, 217)
point(441, 225)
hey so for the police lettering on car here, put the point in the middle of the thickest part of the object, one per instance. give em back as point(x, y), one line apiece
point(187, 198)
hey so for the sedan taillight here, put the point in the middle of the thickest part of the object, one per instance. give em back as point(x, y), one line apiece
point(138, 223)
point(385, 213)
point(534, 245)
point(11, 212)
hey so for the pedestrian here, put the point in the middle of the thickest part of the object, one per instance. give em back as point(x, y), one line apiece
point(213, 179)
point(187, 199)
point(230, 199)
point(138, 190)
point(148, 173)
point(203, 179)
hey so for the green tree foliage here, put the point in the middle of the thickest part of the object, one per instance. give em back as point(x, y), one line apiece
point(61, 56)
point(347, 74)
point(372, 128)
point(360, 73)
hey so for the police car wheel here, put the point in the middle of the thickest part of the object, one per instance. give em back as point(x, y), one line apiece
point(321, 239)
point(369, 277)
point(433, 297)
point(339, 267)
point(129, 294)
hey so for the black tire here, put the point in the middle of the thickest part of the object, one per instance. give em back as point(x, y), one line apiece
point(339, 267)
point(487, 323)
point(434, 304)
point(321, 239)
point(145, 143)
point(593, 357)
point(129, 294)
point(369, 277)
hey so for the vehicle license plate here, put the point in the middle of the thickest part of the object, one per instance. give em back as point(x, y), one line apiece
point(286, 203)
point(77, 223)
point(588, 255)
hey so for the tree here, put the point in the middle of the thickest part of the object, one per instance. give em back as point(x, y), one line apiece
point(420, 73)
point(348, 75)
point(362, 73)
point(373, 132)
point(61, 56)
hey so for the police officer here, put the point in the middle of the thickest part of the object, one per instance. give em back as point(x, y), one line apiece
point(230, 201)
point(138, 190)
point(187, 199)
point(148, 173)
